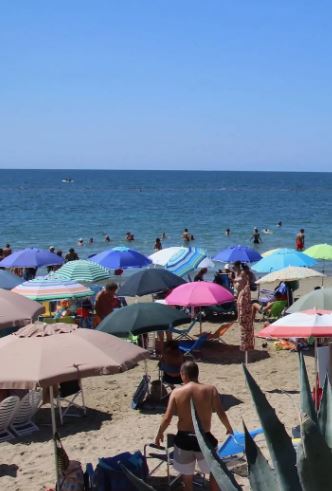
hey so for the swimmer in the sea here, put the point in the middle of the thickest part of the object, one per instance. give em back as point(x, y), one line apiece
point(107, 238)
point(80, 242)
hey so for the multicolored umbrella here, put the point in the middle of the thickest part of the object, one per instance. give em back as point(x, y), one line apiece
point(291, 273)
point(300, 325)
point(121, 257)
point(8, 280)
point(282, 259)
point(149, 281)
point(199, 294)
point(238, 253)
point(320, 251)
point(185, 261)
point(47, 289)
point(31, 257)
point(83, 270)
point(162, 257)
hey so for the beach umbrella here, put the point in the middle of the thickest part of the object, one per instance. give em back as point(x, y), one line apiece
point(31, 257)
point(185, 261)
point(320, 251)
point(48, 289)
point(317, 299)
point(310, 323)
point(141, 318)
point(282, 259)
point(162, 257)
point(121, 257)
point(82, 270)
point(149, 281)
point(238, 253)
point(8, 280)
point(291, 273)
point(270, 251)
point(16, 311)
point(43, 355)
point(199, 294)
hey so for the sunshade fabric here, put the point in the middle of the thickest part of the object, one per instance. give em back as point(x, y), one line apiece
point(141, 318)
point(44, 289)
point(282, 259)
point(162, 257)
point(238, 253)
point(83, 270)
point(31, 257)
point(300, 325)
point(291, 273)
point(8, 280)
point(121, 257)
point(199, 294)
point(317, 299)
point(16, 310)
point(65, 353)
point(183, 262)
point(149, 281)
point(320, 251)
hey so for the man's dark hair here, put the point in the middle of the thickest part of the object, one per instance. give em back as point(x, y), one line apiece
point(190, 369)
point(111, 287)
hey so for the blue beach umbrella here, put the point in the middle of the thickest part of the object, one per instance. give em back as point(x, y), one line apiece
point(121, 257)
point(186, 260)
point(8, 280)
point(31, 257)
point(283, 258)
point(238, 253)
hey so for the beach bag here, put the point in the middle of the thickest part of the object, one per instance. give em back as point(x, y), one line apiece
point(108, 475)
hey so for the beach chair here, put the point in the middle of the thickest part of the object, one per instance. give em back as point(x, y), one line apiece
point(189, 347)
point(219, 333)
point(167, 381)
point(277, 309)
point(163, 455)
point(69, 392)
point(184, 332)
point(22, 423)
point(8, 408)
point(234, 445)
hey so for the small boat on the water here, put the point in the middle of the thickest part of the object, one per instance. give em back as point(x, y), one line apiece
point(67, 180)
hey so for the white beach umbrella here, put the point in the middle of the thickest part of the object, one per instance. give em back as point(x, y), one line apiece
point(291, 273)
point(162, 257)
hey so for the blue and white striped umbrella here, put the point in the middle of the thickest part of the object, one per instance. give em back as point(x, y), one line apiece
point(186, 260)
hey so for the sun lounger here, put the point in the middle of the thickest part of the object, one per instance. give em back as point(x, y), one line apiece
point(22, 423)
point(8, 408)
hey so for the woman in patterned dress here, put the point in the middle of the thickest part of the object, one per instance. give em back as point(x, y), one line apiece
point(244, 308)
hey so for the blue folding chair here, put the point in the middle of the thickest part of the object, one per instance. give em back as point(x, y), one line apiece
point(183, 333)
point(235, 444)
point(189, 347)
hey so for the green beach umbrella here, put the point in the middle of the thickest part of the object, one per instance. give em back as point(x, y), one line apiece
point(141, 318)
point(320, 251)
point(83, 270)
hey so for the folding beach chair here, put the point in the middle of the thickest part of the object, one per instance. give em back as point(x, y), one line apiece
point(8, 409)
point(167, 381)
point(234, 445)
point(69, 393)
point(22, 423)
point(219, 333)
point(183, 333)
point(190, 347)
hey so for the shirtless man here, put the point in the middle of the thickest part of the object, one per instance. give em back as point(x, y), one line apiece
point(186, 447)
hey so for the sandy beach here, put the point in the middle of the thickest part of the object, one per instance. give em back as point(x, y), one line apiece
point(111, 426)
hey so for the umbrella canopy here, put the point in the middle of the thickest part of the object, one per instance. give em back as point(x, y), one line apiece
point(292, 273)
point(199, 294)
point(238, 253)
point(16, 310)
point(83, 270)
point(121, 257)
point(282, 259)
point(48, 354)
point(185, 260)
point(46, 289)
point(317, 299)
point(270, 251)
point(320, 251)
point(149, 281)
point(8, 280)
point(31, 258)
point(162, 257)
point(300, 325)
point(141, 318)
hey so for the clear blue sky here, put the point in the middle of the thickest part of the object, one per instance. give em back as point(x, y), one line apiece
point(171, 84)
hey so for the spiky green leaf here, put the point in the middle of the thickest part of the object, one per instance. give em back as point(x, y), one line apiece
point(261, 476)
point(279, 443)
point(139, 484)
point(325, 413)
point(218, 469)
point(306, 401)
point(314, 458)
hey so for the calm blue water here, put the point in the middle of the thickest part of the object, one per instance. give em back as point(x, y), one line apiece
point(37, 209)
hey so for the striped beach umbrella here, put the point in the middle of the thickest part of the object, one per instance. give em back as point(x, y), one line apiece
point(83, 270)
point(185, 261)
point(46, 289)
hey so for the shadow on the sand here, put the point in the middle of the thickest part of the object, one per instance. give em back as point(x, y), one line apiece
point(161, 484)
point(226, 354)
point(279, 391)
point(8, 470)
point(92, 421)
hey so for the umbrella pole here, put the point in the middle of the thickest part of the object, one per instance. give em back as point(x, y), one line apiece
point(246, 358)
point(200, 320)
point(316, 377)
point(53, 434)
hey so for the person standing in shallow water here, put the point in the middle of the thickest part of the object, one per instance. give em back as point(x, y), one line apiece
point(299, 240)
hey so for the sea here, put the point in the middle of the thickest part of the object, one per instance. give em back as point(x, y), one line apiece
point(45, 208)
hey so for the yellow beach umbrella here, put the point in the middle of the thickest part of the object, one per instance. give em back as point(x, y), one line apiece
point(320, 251)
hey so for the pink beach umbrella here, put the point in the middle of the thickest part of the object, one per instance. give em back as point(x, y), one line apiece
point(199, 294)
point(309, 323)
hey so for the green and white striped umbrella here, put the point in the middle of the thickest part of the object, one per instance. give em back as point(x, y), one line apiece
point(83, 270)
